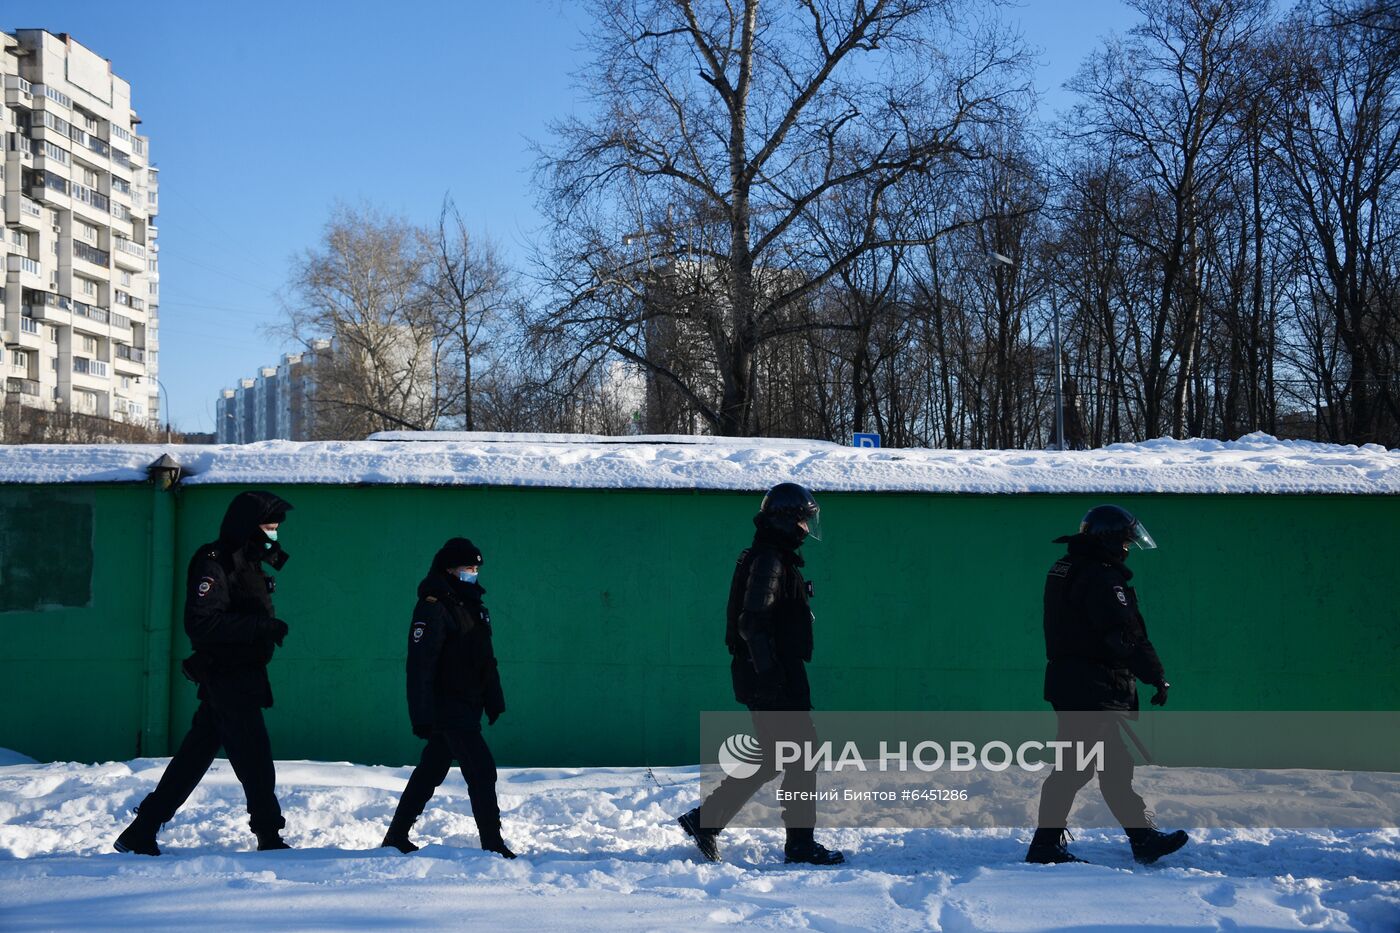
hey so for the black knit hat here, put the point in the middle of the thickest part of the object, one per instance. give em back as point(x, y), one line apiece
point(457, 552)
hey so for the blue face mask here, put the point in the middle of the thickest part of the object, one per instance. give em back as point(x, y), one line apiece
point(466, 576)
point(271, 537)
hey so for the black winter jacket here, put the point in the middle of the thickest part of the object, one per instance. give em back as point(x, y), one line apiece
point(1096, 643)
point(452, 673)
point(229, 616)
point(769, 626)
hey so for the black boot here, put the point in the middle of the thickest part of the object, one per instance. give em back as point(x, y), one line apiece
point(802, 848)
point(270, 841)
point(398, 839)
point(1149, 844)
point(491, 841)
point(1048, 848)
point(139, 838)
point(706, 840)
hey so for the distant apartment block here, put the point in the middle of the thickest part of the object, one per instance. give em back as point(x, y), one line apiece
point(276, 404)
point(80, 302)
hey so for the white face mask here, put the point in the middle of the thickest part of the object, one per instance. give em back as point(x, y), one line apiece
point(466, 576)
point(271, 533)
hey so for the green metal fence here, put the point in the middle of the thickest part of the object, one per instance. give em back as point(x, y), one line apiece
point(609, 609)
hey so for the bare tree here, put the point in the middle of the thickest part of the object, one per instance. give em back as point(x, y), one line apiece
point(1162, 101)
point(1338, 144)
point(365, 288)
point(731, 128)
point(471, 288)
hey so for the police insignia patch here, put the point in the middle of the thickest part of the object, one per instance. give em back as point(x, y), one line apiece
point(418, 628)
point(1122, 597)
point(205, 585)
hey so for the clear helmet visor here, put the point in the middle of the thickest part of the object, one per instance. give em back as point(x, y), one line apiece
point(813, 525)
point(1141, 538)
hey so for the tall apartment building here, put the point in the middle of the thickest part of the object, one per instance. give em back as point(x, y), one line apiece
point(81, 303)
point(277, 403)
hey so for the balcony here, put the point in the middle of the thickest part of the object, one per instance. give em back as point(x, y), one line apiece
point(30, 334)
point(130, 354)
point(86, 367)
point(18, 91)
point(23, 213)
point(91, 254)
point(45, 186)
point(90, 196)
point(129, 255)
point(98, 146)
point(22, 386)
point(121, 320)
point(26, 266)
point(91, 312)
point(53, 94)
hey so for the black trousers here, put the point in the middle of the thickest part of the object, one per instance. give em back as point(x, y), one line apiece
point(1115, 780)
point(469, 748)
point(235, 724)
point(799, 816)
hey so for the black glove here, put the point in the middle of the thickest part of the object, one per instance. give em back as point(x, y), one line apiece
point(1160, 697)
point(275, 630)
point(494, 711)
point(423, 730)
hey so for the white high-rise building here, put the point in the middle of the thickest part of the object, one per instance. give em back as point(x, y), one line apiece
point(81, 280)
point(278, 403)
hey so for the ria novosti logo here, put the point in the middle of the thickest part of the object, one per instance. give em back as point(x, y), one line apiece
point(740, 756)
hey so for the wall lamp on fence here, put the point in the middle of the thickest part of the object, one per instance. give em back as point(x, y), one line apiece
point(165, 472)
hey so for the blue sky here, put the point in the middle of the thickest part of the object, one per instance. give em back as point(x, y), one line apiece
point(262, 115)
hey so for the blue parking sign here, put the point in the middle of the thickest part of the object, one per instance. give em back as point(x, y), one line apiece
point(866, 440)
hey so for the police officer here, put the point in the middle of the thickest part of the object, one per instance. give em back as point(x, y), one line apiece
point(769, 637)
point(452, 681)
point(1097, 648)
point(234, 630)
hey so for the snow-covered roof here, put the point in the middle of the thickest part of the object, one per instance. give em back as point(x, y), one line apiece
point(1253, 464)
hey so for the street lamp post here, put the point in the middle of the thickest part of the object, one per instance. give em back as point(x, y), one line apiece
point(1059, 378)
point(161, 386)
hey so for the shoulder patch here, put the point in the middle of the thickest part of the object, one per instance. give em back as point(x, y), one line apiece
point(205, 585)
point(1060, 569)
point(418, 629)
point(1122, 597)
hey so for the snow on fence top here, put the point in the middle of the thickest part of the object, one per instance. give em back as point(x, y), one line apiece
point(1256, 463)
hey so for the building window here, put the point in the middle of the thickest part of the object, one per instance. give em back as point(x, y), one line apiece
point(20, 359)
point(88, 286)
point(53, 338)
point(126, 278)
point(89, 344)
point(89, 232)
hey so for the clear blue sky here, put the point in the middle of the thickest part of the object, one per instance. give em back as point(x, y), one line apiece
point(261, 115)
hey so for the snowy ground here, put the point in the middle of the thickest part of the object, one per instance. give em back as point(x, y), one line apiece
point(600, 851)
